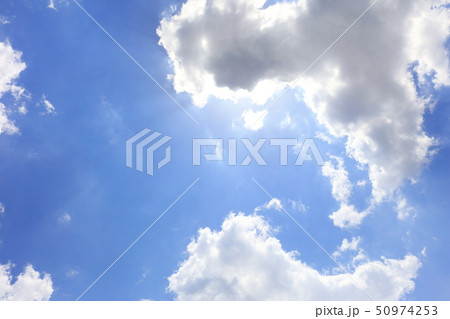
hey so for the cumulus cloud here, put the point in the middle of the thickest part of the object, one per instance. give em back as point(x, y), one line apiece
point(244, 261)
point(29, 285)
point(362, 90)
point(347, 216)
point(220, 48)
point(2, 209)
point(11, 66)
point(341, 189)
point(350, 245)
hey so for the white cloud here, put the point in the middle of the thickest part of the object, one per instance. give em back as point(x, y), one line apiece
point(352, 245)
point(424, 252)
point(29, 285)
point(347, 216)
point(341, 189)
point(64, 218)
point(324, 137)
point(2, 209)
point(254, 120)
point(4, 20)
point(361, 90)
point(403, 209)
point(6, 125)
point(361, 183)
point(22, 109)
point(11, 66)
point(72, 273)
point(51, 4)
point(210, 58)
point(349, 245)
point(243, 261)
point(274, 203)
point(287, 122)
point(49, 108)
point(298, 205)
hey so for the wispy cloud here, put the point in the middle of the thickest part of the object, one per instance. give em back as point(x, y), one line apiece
point(49, 108)
point(64, 218)
point(71, 273)
point(4, 20)
point(251, 118)
point(288, 123)
point(298, 205)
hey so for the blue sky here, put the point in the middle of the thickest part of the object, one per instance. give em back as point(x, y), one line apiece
point(71, 206)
